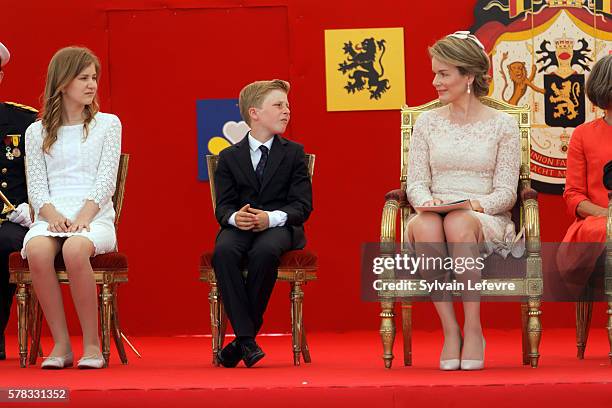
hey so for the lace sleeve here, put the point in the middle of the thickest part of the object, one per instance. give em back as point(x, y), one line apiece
point(38, 184)
point(507, 168)
point(106, 178)
point(418, 181)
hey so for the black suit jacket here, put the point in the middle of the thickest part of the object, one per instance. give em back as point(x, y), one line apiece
point(285, 187)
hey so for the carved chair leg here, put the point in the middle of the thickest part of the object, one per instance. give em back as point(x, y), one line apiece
point(524, 332)
point(222, 325)
point(387, 331)
point(22, 323)
point(116, 327)
point(106, 302)
point(535, 330)
point(609, 326)
point(36, 321)
point(213, 301)
point(584, 311)
point(305, 349)
point(297, 297)
point(407, 332)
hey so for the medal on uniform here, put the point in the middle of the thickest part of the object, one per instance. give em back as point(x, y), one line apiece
point(12, 146)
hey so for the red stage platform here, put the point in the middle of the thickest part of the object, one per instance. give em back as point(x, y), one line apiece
point(346, 369)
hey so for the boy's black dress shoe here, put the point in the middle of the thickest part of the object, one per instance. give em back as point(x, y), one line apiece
point(2, 351)
point(251, 352)
point(231, 355)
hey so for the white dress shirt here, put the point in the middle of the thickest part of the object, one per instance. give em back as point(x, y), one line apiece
point(277, 218)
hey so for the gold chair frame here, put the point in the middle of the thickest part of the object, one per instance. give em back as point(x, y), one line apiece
point(29, 313)
point(531, 286)
point(584, 310)
point(297, 278)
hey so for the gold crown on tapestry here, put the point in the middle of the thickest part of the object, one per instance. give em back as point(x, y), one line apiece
point(564, 44)
point(565, 3)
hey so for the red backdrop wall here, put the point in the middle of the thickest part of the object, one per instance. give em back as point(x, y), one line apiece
point(159, 57)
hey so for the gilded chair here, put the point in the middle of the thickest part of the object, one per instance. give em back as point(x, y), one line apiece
point(525, 214)
point(297, 267)
point(584, 309)
point(109, 269)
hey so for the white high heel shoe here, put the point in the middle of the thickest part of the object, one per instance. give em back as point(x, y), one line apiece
point(57, 363)
point(452, 364)
point(473, 365)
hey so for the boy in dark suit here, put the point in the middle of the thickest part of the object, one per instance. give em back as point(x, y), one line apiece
point(264, 196)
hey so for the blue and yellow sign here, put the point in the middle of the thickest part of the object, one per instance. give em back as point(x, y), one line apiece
point(219, 126)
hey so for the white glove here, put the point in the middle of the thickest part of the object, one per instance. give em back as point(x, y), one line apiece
point(21, 215)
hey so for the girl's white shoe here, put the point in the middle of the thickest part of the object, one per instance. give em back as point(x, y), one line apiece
point(57, 363)
point(92, 361)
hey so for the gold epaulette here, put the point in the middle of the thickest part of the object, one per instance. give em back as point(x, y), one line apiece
point(25, 107)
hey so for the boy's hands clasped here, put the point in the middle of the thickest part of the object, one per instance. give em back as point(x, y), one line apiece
point(248, 218)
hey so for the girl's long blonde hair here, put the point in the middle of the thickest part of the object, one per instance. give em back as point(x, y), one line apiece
point(65, 65)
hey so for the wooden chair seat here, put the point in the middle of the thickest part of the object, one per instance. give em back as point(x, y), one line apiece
point(104, 263)
point(296, 265)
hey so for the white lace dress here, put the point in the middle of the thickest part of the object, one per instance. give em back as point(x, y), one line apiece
point(75, 170)
point(478, 161)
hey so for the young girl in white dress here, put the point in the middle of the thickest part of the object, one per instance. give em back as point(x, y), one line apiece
point(462, 150)
point(72, 161)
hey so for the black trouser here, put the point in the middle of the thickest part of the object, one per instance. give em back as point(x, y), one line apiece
point(245, 301)
point(11, 240)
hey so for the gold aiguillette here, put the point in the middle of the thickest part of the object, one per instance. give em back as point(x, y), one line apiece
point(7, 207)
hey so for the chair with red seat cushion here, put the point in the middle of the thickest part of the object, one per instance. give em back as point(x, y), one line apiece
point(296, 267)
point(109, 269)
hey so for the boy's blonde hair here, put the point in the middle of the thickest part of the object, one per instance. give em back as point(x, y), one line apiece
point(252, 95)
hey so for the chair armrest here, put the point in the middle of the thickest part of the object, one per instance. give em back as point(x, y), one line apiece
point(394, 200)
point(531, 218)
point(528, 193)
point(398, 195)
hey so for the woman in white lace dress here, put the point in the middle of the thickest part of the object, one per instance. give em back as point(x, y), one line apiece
point(72, 161)
point(463, 150)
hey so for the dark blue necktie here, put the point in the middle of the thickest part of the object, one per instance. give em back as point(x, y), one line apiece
point(259, 171)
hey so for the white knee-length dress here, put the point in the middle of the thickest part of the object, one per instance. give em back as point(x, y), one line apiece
point(478, 161)
point(76, 169)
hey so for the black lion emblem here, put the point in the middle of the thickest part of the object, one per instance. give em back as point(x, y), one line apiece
point(360, 61)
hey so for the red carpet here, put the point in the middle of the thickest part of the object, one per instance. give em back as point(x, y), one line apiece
point(346, 369)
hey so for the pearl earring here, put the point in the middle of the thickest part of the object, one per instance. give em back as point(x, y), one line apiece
point(468, 89)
